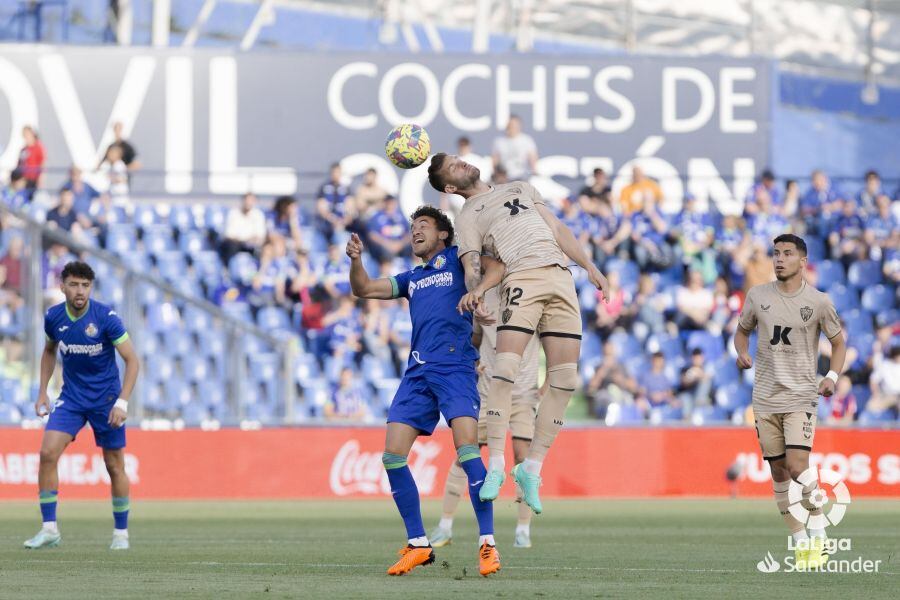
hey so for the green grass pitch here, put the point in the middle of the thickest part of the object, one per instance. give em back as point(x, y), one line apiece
point(340, 549)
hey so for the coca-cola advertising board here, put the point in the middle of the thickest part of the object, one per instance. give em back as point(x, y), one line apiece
point(345, 462)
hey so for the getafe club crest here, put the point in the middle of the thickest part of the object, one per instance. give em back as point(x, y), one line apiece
point(91, 330)
point(805, 313)
point(440, 261)
point(507, 315)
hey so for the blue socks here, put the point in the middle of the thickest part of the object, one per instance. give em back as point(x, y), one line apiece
point(48, 505)
point(470, 461)
point(120, 511)
point(405, 492)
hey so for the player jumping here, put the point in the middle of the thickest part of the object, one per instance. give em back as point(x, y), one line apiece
point(525, 398)
point(537, 294)
point(790, 314)
point(440, 378)
point(87, 334)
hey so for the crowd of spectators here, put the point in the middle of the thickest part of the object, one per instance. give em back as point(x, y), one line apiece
point(658, 350)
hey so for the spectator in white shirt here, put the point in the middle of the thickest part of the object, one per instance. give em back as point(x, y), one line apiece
point(516, 152)
point(695, 303)
point(245, 229)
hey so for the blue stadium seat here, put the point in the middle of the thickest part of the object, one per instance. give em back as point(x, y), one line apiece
point(112, 291)
point(815, 249)
point(273, 318)
point(192, 242)
point(145, 215)
point(212, 392)
point(726, 372)
point(181, 218)
point(160, 367)
point(264, 367)
point(146, 343)
point(158, 239)
point(11, 392)
point(178, 343)
point(215, 218)
point(121, 238)
point(734, 396)
point(316, 393)
point(857, 321)
point(162, 316)
point(171, 265)
point(830, 272)
point(711, 345)
point(9, 414)
point(864, 274)
point(844, 298)
point(194, 414)
point(587, 298)
point(878, 298)
point(196, 319)
point(242, 267)
point(628, 414)
point(153, 397)
point(207, 267)
point(306, 368)
point(669, 345)
point(626, 344)
point(870, 418)
point(888, 317)
point(629, 273)
point(148, 294)
point(863, 393)
point(591, 345)
point(177, 393)
point(213, 342)
point(707, 415)
point(863, 343)
point(136, 261)
point(238, 310)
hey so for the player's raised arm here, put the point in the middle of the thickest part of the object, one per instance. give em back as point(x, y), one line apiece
point(573, 249)
point(360, 283)
point(48, 364)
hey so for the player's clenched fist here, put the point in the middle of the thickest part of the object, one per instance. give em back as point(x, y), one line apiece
point(354, 247)
point(470, 302)
point(42, 406)
point(117, 417)
point(744, 361)
point(599, 281)
point(826, 387)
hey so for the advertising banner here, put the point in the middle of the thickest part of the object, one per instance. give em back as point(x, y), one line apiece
point(220, 122)
point(346, 462)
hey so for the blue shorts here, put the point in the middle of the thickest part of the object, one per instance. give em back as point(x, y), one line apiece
point(70, 418)
point(431, 391)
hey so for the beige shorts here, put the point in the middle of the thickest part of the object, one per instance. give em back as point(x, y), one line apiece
point(542, 300)
point(521, 419)
point(779, 431)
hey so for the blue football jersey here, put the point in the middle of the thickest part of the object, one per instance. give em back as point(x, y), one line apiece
point(87, 345)
point(440, 335)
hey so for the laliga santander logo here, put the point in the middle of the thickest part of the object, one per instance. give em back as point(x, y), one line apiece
point(819, 498)
point(357, 472)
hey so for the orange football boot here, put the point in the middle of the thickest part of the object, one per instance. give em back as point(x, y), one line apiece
point(488, 560)
point(410, 558)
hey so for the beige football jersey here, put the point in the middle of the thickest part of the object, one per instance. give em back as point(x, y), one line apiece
point(787, 347)
point(507, 219)
point(528, 373)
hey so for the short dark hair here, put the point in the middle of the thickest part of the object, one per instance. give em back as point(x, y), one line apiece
point(434, 175)
point(790, 238)
point(79, 269)
point(872, 174)
point(599, 171)
point(463, 141)
point(441, 219)
point(768, 175)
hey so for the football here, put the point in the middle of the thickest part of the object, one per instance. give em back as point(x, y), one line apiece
point(407, 146)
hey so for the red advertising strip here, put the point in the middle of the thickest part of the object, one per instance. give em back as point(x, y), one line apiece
point(346, 462)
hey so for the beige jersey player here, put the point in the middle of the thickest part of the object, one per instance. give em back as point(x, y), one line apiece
point(525, 398)
point(537, 294)
point(789, 315)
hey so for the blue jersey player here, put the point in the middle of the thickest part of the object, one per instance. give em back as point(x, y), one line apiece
point(440, 378)
point(87, 335)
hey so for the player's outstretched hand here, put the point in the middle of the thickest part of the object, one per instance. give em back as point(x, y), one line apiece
point(482, 315)
point(117, 417)
point(599, 281)
point(826, 387)
point(744, 361)
point(42, 406)
point(354, 246)
point(470, 302)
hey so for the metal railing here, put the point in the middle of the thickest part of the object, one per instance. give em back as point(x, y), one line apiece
point(37, 236)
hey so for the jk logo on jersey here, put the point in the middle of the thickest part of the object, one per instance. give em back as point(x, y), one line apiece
point(514, 207)
point(781, 335)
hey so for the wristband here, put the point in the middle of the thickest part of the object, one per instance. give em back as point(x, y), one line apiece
point(832, 376)
point(121, 403)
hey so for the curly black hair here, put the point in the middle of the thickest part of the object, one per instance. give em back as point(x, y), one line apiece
point(440, 219)
point(434, 175)
point(76, 268)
